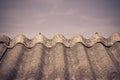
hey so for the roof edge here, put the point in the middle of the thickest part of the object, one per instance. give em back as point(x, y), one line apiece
point(96, 38)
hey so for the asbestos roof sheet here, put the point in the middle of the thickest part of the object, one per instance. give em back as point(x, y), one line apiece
point(59, 58)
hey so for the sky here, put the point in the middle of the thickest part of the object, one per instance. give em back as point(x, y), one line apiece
point(66, 17)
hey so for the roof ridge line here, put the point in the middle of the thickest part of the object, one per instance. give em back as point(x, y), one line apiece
point(61, 39)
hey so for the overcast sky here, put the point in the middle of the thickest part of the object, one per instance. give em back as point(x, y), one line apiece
point(67, 17)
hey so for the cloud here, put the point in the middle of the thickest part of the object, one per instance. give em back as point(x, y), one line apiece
point(41, 21)
point(96, 20)
point(69, 12)
point(48, 1)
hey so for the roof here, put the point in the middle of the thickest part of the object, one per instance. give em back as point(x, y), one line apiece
point(59, 58)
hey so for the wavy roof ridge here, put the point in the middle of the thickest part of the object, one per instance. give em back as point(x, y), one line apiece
point(60, 39)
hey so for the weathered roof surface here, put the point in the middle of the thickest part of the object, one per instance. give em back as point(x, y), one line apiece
point(59, 58)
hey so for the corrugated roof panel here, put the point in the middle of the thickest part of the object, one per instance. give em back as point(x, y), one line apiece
point(59, 58)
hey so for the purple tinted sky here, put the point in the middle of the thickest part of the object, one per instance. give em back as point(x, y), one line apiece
point(67, 17)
